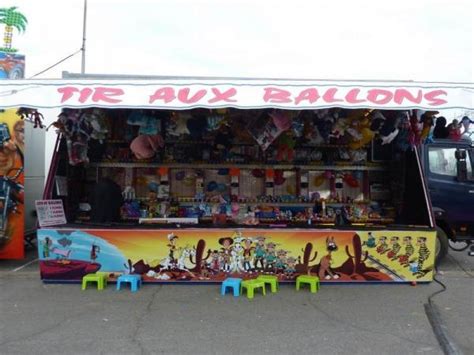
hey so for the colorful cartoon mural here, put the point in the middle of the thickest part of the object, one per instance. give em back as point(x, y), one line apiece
point(12, 147)
point(12, 66)
point(211, 255)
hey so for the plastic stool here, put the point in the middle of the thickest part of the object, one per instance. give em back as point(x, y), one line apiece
point(251, 286)
point(234, 283)
point(269, 279)
point(313, 282)
point(98, 278)
point(134, 280)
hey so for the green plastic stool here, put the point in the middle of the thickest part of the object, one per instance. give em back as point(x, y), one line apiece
point(269, 279)
point(251, 286)
point(99, 278)
point(313, 282)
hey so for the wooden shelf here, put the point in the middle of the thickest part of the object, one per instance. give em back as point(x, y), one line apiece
point(339, 166)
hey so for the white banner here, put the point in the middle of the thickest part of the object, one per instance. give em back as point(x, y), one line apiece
point(189, 93)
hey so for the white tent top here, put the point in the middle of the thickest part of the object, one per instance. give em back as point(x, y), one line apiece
point(81, 91)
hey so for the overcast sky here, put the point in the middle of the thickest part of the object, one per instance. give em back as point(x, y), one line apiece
point(423, 40)
point(410, 40)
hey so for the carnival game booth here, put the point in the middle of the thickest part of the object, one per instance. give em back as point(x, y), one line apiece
point(195, 180)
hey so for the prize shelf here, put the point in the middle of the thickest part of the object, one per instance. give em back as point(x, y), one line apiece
point(341, 167)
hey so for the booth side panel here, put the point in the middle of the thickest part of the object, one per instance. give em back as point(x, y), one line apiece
point(211, 255)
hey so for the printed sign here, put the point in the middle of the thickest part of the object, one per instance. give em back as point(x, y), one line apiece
point(50, 212)
point(256, 94)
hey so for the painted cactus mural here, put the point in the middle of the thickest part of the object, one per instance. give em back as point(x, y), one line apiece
point(212, 255)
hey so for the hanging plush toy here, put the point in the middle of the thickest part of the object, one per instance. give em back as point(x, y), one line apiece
point(415, 131)
point(466, 123)
point(97, 121)
point(454, 129)
point(427, 121)
point(363, 127)
point(440, 130)
point(286, 146)
point(37, 118)
point(403, 142)
point(324, 122)
point(178, 124)
point(350, 180)
point(146, 146)
point(386, 126)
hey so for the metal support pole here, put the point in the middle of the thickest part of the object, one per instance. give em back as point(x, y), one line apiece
point(83, 64)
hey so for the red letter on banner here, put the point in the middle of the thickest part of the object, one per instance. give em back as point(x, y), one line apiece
point(276, 95)
point(402, 94)
point(373, 96)
point(433, 97)
point(183, 96)
point(311, 95)
point(351, 96)
point(329, 96)
point(223, 96)
point(68, 91)
point(105, 94)
point(166, 94)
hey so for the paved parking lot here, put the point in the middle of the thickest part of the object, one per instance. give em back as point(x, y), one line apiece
point(42, 318)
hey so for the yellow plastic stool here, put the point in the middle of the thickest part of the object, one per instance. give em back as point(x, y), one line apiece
point(269, 279)
point(251, 286)
point(313, 282)
point(99, 278)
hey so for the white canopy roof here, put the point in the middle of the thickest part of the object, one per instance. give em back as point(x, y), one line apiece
point(187, 92)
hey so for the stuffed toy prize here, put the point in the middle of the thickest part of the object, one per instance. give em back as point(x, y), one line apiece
point(145, 146)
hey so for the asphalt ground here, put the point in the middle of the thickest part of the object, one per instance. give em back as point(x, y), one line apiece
point(39, 318)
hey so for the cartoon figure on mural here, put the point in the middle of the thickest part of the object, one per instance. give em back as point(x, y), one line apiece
point(172, 238)
point(325, 271)
point(383, 245)
point(370, 243)
point(259, 254)
point(280, 264)
point(185, 254)
point(393, 253)
point(270, 258)
point(290, 269)
point(47, 243)
point(226, 250)
point(404, 259)
point(423, 255)
point(11, 180)
point(95, 250)
point(237, 259)
point(214, 264)
point(247, 254)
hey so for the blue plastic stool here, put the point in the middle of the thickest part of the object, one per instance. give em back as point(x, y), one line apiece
point(234, 283)
point(135, 281)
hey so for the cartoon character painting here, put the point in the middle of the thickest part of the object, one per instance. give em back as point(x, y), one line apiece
point(46, 243)
point(95, 249)
point(404, 259)
point(247, 254)
point(383, 245)
point(259, 253)
point(423, 255)
point(219, 254)
point(393, 253)
point(325, 270)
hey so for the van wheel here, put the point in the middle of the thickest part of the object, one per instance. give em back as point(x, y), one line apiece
point(442, 245)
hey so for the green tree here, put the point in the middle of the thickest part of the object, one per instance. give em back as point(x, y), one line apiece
point(12, 19)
